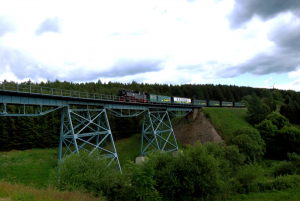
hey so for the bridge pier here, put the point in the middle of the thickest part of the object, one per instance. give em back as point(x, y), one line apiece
point(86, 129)
point(157, 133)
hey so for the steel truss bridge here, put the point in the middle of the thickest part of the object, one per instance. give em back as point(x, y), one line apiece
point(84, 121)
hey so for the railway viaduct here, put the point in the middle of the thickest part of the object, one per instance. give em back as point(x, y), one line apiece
point(84, 122)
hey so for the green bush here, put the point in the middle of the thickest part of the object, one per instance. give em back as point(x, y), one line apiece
point(141, 177)
point(280, 183)
point(289, 140)
point(278, 120)
point(283, 168)
point(89, 174)
point(193, 175)
point(295, 160)
point(234, 157)
point(249, 142)
point(247, 178)
point(279, 136)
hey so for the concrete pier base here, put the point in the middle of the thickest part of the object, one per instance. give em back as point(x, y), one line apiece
point(140, 159)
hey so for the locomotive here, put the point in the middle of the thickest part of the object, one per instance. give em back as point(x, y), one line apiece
point(142, 97)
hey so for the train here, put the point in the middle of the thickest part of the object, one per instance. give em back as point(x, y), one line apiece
point(143, 97)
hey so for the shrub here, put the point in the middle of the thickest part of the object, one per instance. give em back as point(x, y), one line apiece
point(289, 140)
point(249, 142)
point(247, 178)
point(280, 183)
point(283, 168)
point(88, 174)
point(295, 160)
point(141, 177)
point(278, 120)
point(234, 157)
point(193, 175)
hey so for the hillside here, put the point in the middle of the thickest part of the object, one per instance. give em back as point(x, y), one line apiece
point(210, 125)
point(189, 131)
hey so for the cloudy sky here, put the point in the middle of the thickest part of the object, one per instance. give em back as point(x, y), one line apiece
point(239, 42)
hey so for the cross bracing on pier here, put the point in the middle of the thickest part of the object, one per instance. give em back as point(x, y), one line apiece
point(84, 121)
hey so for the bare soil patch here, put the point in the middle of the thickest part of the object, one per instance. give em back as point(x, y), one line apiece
point(198, 128)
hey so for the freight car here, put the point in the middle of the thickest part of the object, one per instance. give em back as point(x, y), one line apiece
point(211, 103)
point(238, 104)
point(200, 102)
point(226, 104)
point(181, 100)
point(159, 98)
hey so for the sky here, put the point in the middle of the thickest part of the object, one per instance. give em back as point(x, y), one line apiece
point(252, 43)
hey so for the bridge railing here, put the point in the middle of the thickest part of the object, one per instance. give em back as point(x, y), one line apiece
point(32, 89)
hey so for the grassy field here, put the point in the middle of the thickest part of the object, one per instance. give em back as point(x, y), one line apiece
point(29, 167)
point(20, 192)
point(227, 120)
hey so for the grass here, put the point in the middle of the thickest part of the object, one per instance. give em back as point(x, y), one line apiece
point(29, 167)
point(227, 120)
point(10, 191)
point(128, 149)
point(292, 194)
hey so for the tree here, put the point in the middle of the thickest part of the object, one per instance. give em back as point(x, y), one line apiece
point(269, 134)
point(291, 110)
point(257, 111)
point(249, 142)
point(267, 94)
point(278, 120)
point(279, 136)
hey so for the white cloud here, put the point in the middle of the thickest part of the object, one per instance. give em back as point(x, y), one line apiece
point(189, 42)
point(295, 85)
point(295, 74)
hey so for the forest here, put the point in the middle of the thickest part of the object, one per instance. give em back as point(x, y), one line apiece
point(40, 132)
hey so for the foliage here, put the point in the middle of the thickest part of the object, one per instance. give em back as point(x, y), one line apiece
point(279, 183)
point(291, 109)
point(289, 140)
point(269, 134)
point(278, 120)
point(257, 110)
point(277, 96)
point(249, 142)
point(141, 178)
point(87, 173)
point(295, 160)
point(247, 178)
point(283, 168)
point(279, 136)
point(192, 175)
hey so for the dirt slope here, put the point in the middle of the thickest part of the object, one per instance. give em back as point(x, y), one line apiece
point(195, 127)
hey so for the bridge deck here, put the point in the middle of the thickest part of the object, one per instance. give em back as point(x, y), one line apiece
point(13, 93)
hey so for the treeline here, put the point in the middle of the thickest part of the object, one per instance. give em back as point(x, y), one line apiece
point(41, 132)
point(200, 91)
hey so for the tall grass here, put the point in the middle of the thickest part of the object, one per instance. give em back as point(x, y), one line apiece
point(10, 191)
point(29, 167)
